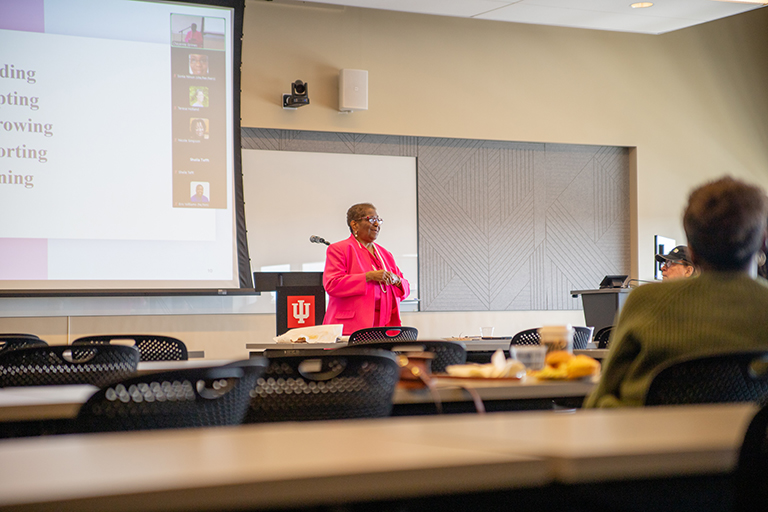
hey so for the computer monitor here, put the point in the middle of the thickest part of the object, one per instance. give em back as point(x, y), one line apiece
point(613, 282)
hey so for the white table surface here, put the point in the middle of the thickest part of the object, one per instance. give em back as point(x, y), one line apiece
point(145, 367)
point(61, 402)
point(452, 390)
point(590, 445)
point(43, 402)
point(302, 464)
point(597, 353)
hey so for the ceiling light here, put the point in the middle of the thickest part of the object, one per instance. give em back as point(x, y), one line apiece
point(641, 5)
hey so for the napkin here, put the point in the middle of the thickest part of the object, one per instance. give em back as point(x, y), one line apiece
point(499, 367)
point(316, 334)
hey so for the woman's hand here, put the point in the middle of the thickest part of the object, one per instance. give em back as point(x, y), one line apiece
point(376, 276)
point(382, 276)
point(392, 278)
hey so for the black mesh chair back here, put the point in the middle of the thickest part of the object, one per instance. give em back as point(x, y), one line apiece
point(16, 341)
point(734, 377)
point(445, 352)
point(65, 364)
point(526, 337)
point(384, 334)
point(325, 385)
point(751, 473)
point(19, 335)
point(581, 336)
point(603, 337)
point(152, 347)
point(195, 397)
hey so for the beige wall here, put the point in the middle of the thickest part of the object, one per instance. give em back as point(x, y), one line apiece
point(692, 102)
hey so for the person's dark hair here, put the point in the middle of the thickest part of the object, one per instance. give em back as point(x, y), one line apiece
point(357, 212)
point(725, 222)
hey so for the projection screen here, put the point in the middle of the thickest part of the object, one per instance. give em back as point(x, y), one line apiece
point(119, 145)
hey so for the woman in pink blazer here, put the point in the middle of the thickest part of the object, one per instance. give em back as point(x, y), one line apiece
point(363, 282)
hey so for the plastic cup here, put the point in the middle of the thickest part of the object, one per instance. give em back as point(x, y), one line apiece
point(532, 356)
point(486, 332)
point(556, 337)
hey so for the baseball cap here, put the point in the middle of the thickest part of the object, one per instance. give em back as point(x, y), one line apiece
point(677, 255)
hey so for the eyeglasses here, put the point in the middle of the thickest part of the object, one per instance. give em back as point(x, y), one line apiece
point(373, 220)
point(669, 264)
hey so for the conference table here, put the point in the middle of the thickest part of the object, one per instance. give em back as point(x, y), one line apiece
point(61, 403)
point(472, 344)
point(42, 403)
point(528, 394)
point(645, 456)
point(33, 403)
point(458, 395)
point(478, 349)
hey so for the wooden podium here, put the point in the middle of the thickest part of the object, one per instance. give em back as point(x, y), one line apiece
point(300, 297)
point(602, 306)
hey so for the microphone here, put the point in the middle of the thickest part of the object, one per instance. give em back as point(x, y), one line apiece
point(318, 240)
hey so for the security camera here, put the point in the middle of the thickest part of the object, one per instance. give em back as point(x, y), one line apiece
point(299, 96)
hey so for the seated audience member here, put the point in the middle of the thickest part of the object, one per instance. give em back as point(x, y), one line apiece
point(723, 310)
point(677, 264)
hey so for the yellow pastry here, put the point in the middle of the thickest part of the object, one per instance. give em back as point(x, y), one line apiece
point(582, 366)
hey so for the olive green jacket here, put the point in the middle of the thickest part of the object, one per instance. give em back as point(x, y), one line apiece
point(714, 313)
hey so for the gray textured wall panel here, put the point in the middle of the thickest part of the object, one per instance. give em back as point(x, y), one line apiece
point(502, 225)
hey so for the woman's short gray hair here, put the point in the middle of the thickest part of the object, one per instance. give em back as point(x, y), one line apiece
point(357, 212)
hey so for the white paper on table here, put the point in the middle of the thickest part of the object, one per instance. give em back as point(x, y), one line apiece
point(316, 334)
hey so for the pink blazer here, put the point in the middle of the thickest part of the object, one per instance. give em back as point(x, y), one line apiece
point(352, 299)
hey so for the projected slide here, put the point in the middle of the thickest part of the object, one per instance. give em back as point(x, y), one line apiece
point(116, 137)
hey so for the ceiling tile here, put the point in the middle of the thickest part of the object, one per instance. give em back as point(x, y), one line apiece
point(615, 15)
point(461, 8)
point(595, 20)
point(701, 10)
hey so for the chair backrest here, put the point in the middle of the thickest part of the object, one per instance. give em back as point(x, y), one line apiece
point(603, 337)
point(732, 377)
point(152, 347)
point(16, 341)
point(19, 335)
point(751, 472)
point(195, 397)
point(325, 385)
point(526, 337)
point(64, 364)
point(384, 334)
point(581, 336)
point(445, 352)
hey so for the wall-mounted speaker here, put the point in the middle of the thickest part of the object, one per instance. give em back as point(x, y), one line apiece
point(353, 90)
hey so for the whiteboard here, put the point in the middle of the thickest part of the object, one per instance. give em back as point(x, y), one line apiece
point(290, 196)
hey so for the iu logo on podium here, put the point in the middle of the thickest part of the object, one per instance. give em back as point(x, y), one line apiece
point(301, 311)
